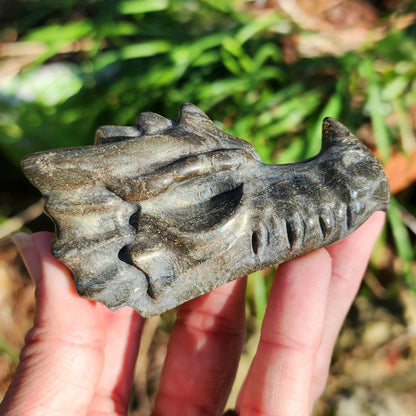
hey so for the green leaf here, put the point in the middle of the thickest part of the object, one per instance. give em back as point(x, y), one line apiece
point(211, 93)
point(8, 349)
point(266, 51)
point(142, 6)
point(185, 54)
point(376, 108)
point(402, 242)
point(259, 294)
point(231, 63)
point(53, 34)
point(221, 5)
point(399, 230)
point(236, 50)
point(256, 26)
point(144, 49)
point(292, 153)
point(332, 109)
point(288, 116)
point(395, 88)
point(118, 29)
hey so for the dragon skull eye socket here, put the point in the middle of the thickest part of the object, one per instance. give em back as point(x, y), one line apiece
point(194, 216)
point(155, 214)
point(204, 215)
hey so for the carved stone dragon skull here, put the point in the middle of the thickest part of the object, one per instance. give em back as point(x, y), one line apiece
point(159, 213)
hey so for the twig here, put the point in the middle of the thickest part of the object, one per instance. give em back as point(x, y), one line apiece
point(15, 223)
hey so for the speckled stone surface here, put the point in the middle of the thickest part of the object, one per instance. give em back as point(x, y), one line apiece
point(158, 213)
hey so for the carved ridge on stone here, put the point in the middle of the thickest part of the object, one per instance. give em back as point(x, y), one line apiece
point(155, 214)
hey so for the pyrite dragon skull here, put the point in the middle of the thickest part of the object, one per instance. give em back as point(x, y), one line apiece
point(153, 215)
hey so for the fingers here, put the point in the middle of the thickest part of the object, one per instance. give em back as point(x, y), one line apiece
point(307, 306)
point(72, 341)
point(279, 379)
point(79, 356)
point(123, 329)
point(203, 353)
point(349, 260)
point(59, 365)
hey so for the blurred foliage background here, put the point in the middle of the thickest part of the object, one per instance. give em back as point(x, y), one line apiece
point(267, 71)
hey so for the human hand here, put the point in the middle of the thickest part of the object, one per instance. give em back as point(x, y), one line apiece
point(79, 357)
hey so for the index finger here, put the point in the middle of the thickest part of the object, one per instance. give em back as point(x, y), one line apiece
point(349, 260)
point(279, 379)
point(203, 353)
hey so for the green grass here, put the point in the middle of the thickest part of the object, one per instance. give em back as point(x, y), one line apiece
point(102, 62)
point(8, 350)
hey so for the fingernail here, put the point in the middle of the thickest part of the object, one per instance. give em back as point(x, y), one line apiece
point(29, 254)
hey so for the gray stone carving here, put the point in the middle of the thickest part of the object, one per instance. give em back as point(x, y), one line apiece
point(159, 213)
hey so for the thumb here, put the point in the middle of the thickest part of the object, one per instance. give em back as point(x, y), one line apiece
point(62, 360)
